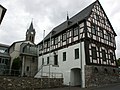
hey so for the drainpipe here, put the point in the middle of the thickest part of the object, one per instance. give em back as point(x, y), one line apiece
point(43, 53)
point(82, 68)
point(82, 65)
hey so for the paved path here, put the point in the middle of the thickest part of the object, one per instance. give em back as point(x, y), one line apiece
point(110, 87)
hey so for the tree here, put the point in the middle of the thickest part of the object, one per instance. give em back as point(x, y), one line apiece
point(16, 66)
point(118, 61)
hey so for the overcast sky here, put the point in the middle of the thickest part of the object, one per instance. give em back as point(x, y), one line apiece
point(46, 15)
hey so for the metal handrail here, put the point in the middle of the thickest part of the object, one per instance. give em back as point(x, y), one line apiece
point(50, 75)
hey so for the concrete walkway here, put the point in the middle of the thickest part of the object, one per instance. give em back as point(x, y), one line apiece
point(65, 88)
point(69, 88)
point(109, 87)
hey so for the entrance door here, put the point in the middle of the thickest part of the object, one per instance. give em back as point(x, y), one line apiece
point(75, 77)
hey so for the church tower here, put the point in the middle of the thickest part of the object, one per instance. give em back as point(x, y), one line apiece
point(30, 34)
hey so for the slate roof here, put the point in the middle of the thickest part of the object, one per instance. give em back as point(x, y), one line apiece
point(31, 28)
point(82, 15)
point(4, 45)
point(76, 18)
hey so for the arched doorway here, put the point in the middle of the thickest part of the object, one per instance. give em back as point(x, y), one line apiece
point(75, 77)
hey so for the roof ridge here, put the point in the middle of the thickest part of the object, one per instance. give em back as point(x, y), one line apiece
point(75, 18)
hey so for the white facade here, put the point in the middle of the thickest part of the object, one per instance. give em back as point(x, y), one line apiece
point(70, 68)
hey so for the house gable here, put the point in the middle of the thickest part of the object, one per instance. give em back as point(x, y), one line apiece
point(99, 27)
point(99, 17)
point(100, 37)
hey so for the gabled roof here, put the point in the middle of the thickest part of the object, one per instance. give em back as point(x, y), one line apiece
point(82, 15)
point(20, 42)
point(107, 17)
point(75, 19)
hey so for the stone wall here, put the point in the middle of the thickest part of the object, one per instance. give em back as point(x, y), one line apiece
point(28, 83)
point(100, 75)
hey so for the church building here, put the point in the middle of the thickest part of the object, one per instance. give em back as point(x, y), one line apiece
point(82, 48)
point(26, 51)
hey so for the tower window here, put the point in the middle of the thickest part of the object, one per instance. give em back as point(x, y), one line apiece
point(32, 39)
point(27, 69)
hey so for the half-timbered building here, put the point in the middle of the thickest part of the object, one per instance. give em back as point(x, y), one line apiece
point(82, 48)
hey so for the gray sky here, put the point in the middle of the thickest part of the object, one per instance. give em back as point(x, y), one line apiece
point(46, 15)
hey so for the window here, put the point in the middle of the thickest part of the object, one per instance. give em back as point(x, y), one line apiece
point(101, 33)
point(94, 29)
point(33, 59)
point(94, 53)
point(77, 53)
point(109, 37)
point(64, 36)
point(56, 60)
point(48, 44)
point(42, 61)
point(68, 34)
point(111, 57)
point(97, 17)
point(47, 60)
point(76, 31)
point(6, 61)
point(56, 40)
point(32, 39)
point(3, 60)
point(27, 69)
point(64, 56)
point(103, 55)
point(0, 60)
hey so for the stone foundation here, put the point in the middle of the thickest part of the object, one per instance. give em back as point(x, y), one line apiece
point(100, 75)
point(28, 83)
